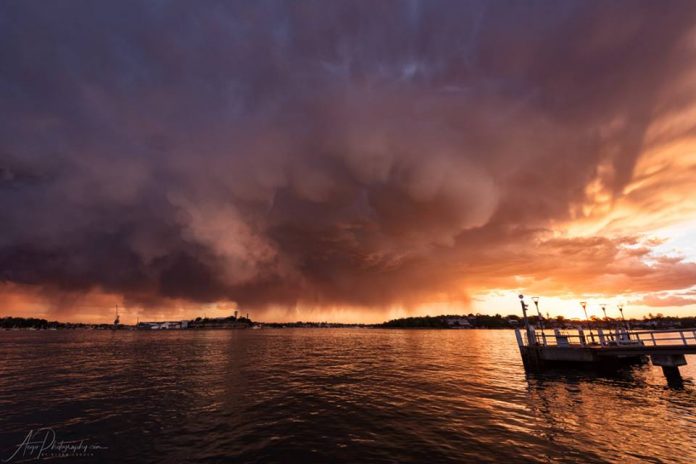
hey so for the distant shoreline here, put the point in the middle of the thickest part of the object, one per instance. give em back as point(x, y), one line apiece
point(443, 322)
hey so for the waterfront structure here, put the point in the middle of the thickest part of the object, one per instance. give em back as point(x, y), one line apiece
point(165, 325)
point(230, 322)
point(458, 322)
point(597, 347)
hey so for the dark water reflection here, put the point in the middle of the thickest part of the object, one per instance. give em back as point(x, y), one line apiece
point(314, 395)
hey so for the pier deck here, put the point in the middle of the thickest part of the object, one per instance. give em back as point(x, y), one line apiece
point(599, 347)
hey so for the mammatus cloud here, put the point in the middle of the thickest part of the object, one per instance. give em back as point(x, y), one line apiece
point(282, 154)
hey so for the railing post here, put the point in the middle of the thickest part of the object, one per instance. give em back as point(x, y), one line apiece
point(652, 336)
point(600, 332)
point(681, 332)
point(581, 334)
point(532, 333)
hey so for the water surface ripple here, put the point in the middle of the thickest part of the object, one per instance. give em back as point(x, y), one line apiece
point(332, 395)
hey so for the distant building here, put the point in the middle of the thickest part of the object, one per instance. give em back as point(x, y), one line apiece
point(458, 322)
point(165, 325)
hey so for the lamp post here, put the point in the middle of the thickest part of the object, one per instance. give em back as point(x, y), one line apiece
point(530, 338)
point(587, 318)
point(606, 319)
point(535, 299)
point(622, 316)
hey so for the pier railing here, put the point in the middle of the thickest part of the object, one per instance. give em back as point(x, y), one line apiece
point(606, 337)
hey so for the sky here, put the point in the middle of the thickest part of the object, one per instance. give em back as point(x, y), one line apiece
point(346, 161)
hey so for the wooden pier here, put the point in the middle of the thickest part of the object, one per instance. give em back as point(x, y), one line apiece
point(603, 348)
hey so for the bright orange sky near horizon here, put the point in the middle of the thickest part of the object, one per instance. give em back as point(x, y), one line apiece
point(351, 164)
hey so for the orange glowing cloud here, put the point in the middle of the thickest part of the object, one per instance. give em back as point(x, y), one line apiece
point(430, 159)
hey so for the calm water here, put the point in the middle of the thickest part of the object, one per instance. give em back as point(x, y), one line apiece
point(317, 395)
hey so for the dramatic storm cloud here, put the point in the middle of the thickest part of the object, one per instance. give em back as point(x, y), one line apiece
point(342, 154)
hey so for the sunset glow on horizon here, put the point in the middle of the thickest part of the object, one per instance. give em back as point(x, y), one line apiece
point(351, 163)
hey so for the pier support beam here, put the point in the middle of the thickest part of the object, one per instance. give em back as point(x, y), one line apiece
point(670, 367)
point(673, 376)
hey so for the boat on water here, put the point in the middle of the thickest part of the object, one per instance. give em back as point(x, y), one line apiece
point(117, 320)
